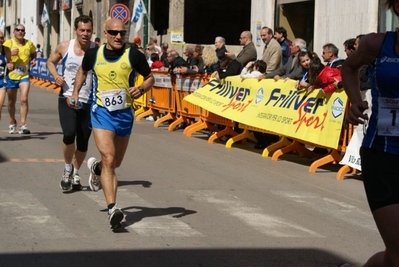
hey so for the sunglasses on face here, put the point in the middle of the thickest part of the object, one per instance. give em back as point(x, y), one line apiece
point(19, 30)
point(115, 32)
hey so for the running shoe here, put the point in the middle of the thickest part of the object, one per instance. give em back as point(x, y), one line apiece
point(24, 129)
point(66, 180)
point(94, 180)
point(12, 128)
point(76, 183)
point(115, 217)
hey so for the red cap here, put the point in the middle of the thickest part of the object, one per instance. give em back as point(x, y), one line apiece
point(137, 40)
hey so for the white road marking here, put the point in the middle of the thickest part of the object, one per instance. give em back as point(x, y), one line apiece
point(255, 217)
point(29, 217)
point(146, 219)
point(331, 207)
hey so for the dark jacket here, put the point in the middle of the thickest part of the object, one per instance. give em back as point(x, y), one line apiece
point(233, 69)
point(220, 52)
point(336, 63)
point(288, 71)
point(210, 69)
point(247, 54)
point(177, 62)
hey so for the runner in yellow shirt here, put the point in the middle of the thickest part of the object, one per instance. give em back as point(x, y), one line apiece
point(23, 55)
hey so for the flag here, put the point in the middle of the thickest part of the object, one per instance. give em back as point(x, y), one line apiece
point(2, 23)
point(45, 17)
point(138, 13)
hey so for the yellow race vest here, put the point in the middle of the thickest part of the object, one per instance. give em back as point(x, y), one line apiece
point(111, 80)
point(22, 60)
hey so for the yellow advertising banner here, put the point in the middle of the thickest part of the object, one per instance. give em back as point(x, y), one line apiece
point(276, 106)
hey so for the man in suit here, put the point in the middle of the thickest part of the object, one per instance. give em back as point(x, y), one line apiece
point(292, 69)
point(272, 53)
point(330, 56)
point(248, 52)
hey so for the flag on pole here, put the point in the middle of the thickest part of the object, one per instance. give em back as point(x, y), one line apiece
point(45, 17)
point(138, 14)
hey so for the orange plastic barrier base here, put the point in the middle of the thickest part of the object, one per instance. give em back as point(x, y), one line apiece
point(247, 134)
point(344, 170)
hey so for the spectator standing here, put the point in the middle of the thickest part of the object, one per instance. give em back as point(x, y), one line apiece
point(189, 53)
point(272, 54)
point(228, 67)
point(97, 41)
point(149, 49)
point(281, 36)
point(349, 46)
point(291, 69)
point(154, 42)
point(248, 52)
point(380, 148)
point(112, 120)
point(210, 61)
point(156, 63)
point(196, 62)
point(323, 77)
point(330, 56)
point(175, 62)
point(166, 61)
point(220, 45)
point(39, 52)
point(23, 56)
point(305, 58)
point(74, 122)
point(164, 52)
point(137, 42)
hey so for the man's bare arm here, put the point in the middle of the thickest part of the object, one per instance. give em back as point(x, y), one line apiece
point(79, 80)
point(54, 59)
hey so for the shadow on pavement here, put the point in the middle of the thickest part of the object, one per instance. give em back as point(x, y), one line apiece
point(3, 158)
point(144, 212)
point(145, 184)
point(34, 135)
point(178, 258)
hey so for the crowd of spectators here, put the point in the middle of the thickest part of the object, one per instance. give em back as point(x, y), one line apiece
point(281, 59)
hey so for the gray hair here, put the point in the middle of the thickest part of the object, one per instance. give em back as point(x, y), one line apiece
point(173, 54)
point(300, 43)
point(332, 48)
point(220, 39)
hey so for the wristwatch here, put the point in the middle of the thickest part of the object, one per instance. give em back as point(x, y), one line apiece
point(141, 90)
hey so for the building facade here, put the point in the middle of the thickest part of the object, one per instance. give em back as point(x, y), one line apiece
point(316, 21)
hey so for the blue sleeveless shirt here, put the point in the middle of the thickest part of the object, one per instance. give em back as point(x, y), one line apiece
point(383, 126)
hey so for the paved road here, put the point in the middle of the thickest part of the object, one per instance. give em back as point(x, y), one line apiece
point(187, 203)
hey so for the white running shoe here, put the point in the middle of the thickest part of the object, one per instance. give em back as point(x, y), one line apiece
point(24, 129)
point(115, 217)
point(66, 180)
point(94, 180)
point(76, 183)
point(12, 128)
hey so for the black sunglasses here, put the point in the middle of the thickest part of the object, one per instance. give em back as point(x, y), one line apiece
point(19, 30)
point(115, 32)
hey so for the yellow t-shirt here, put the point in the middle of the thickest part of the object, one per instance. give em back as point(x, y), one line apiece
point(111, 80)
point(22, 60)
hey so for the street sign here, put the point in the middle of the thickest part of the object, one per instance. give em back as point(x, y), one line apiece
point(121, 12)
